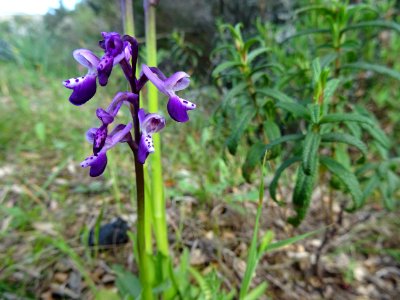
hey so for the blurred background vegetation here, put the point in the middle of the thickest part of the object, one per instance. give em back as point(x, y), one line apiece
point(47, 203)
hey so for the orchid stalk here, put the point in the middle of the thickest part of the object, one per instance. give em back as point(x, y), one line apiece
point(123, 51)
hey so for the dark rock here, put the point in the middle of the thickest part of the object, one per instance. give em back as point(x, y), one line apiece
point(114, 233)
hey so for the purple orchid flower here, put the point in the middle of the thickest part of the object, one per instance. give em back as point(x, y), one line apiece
point(83, 87)
point(98, 162)
point(177, 107)
point(115, 50)
point(107, 117)
point(149, 124)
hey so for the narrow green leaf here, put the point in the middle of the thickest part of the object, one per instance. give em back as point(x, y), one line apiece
point(256, 52)
point(316, 70)
point(375, 24)
point(239, 89)
point(315, 112)
point(249, 43)
point(330, 89)
point(296, 109)
point(310, 152)
point(275, 94)
point(347, 178)
point(347, 139)
point(378, 134)
point(243, 122)
point(302, 194)
point(292, 240)
point(253, 256)
point(345, 117)
point(258, 150)
point(274, 183)
point(257, 292)
point(375, 68)
point(370, 186)
point(305, 32)
point(272, 132)
point(322, 7)
point(226, 65)
point(203, 284)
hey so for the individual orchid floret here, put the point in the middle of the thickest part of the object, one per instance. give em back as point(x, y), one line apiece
point(149, 124)
point(177, 107)
point(83, 87)
point(115, 50)
point(107, 117)
point(98, 162)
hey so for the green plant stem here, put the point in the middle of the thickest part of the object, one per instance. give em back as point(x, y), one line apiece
point(157, 188)
point(129, 21)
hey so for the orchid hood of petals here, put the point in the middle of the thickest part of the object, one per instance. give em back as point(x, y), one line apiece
point(98, 162)
point(84, 88)
point(115, 50)
point(149, 124)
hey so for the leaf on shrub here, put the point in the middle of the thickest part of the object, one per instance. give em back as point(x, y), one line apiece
point(256, 52)
point(224, 66)
point(302, 195)
point(272, 132)
point(274, 183)
point(347, 178)
point(310, 152)
point(305, 32)
point(294, 108)
point(257, 151)
point(375, 68)
point(243, 122)
point(345, 117)
point(347, 139)
point(375, 24)
point(378, 134)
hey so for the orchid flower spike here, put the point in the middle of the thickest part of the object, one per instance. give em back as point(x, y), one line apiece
point(115, 50)
point(98, 162)
point(177, 107)
point(149, 124)
point(83, 87)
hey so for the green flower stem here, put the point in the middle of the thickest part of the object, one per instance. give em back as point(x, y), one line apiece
point(157, 187)
point(144, 238)
point(129, 23)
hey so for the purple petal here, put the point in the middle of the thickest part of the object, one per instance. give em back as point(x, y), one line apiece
point(118, 100)
point(97, 164)
point(151, 123)
point(119, 134)
point(104, 116)
point(90, 134)
point(118, 128)
point(178, 81)
point(141, 115)
point(83, 88)
point(156, 80)
point(87, 58)
point(99, 139)
point(104, 69)
point(177, 108)
point(146, 147)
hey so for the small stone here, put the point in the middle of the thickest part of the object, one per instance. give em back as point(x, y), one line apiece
point(108, 278)
point(60, 277)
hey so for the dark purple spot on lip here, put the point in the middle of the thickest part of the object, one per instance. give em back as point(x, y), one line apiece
point(77, 80)
point(67, 81)
point(184, 101)
point(193, 105)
